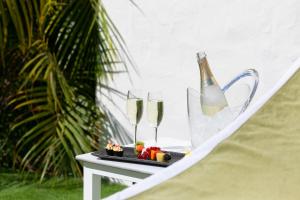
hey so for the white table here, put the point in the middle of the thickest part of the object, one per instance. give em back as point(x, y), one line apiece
point(94, 168)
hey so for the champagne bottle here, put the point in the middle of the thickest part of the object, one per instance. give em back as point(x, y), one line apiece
point(212, 97)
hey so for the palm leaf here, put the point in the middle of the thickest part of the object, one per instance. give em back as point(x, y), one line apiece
point(64, 49)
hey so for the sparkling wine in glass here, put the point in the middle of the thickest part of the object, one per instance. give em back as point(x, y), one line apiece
point(134, 109)
point(155, 109)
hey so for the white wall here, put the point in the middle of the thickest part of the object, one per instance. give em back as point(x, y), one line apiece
point(236, 34)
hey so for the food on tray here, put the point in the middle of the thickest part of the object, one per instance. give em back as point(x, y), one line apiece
point(118, 150)
point(167, 157)
point(150, 153)
point(143, 156)
point(152, 148)
point(139, 146)
point(160, 156)
point(146, 155)
point(109, 149)
point(140, 156)
point(109, 145)
point(153, 154)
point(114, 149)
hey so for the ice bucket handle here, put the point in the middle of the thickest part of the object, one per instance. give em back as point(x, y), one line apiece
point(247, 73)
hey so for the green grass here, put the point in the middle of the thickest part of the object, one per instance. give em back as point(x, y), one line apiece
point(13, 186)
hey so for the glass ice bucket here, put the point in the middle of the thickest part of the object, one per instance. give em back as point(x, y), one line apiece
point(239, 93)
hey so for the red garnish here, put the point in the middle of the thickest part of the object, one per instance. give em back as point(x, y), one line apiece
point(152, 148)
point(145, 155)
point(139, 156)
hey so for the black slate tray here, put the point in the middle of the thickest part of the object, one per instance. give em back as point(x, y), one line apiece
point(130, 157)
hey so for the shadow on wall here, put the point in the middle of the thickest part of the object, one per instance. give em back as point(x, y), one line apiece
point(113, 128)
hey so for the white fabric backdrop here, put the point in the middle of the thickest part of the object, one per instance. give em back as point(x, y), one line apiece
point(236, 35)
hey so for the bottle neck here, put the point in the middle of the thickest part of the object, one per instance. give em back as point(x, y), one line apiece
point(206, 75)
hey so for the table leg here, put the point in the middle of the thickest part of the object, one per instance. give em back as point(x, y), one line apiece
point(91, 185)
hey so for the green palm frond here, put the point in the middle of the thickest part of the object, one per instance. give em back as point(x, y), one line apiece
point(62, 49)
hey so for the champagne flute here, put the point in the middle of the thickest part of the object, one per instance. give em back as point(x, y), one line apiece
point(134, 109)
point(155, 110)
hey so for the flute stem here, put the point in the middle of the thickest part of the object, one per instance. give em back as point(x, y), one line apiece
point(155, 135)
point(135, 130)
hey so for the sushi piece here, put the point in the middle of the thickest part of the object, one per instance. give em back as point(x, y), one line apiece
point(109, 149)
point(118, 150)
